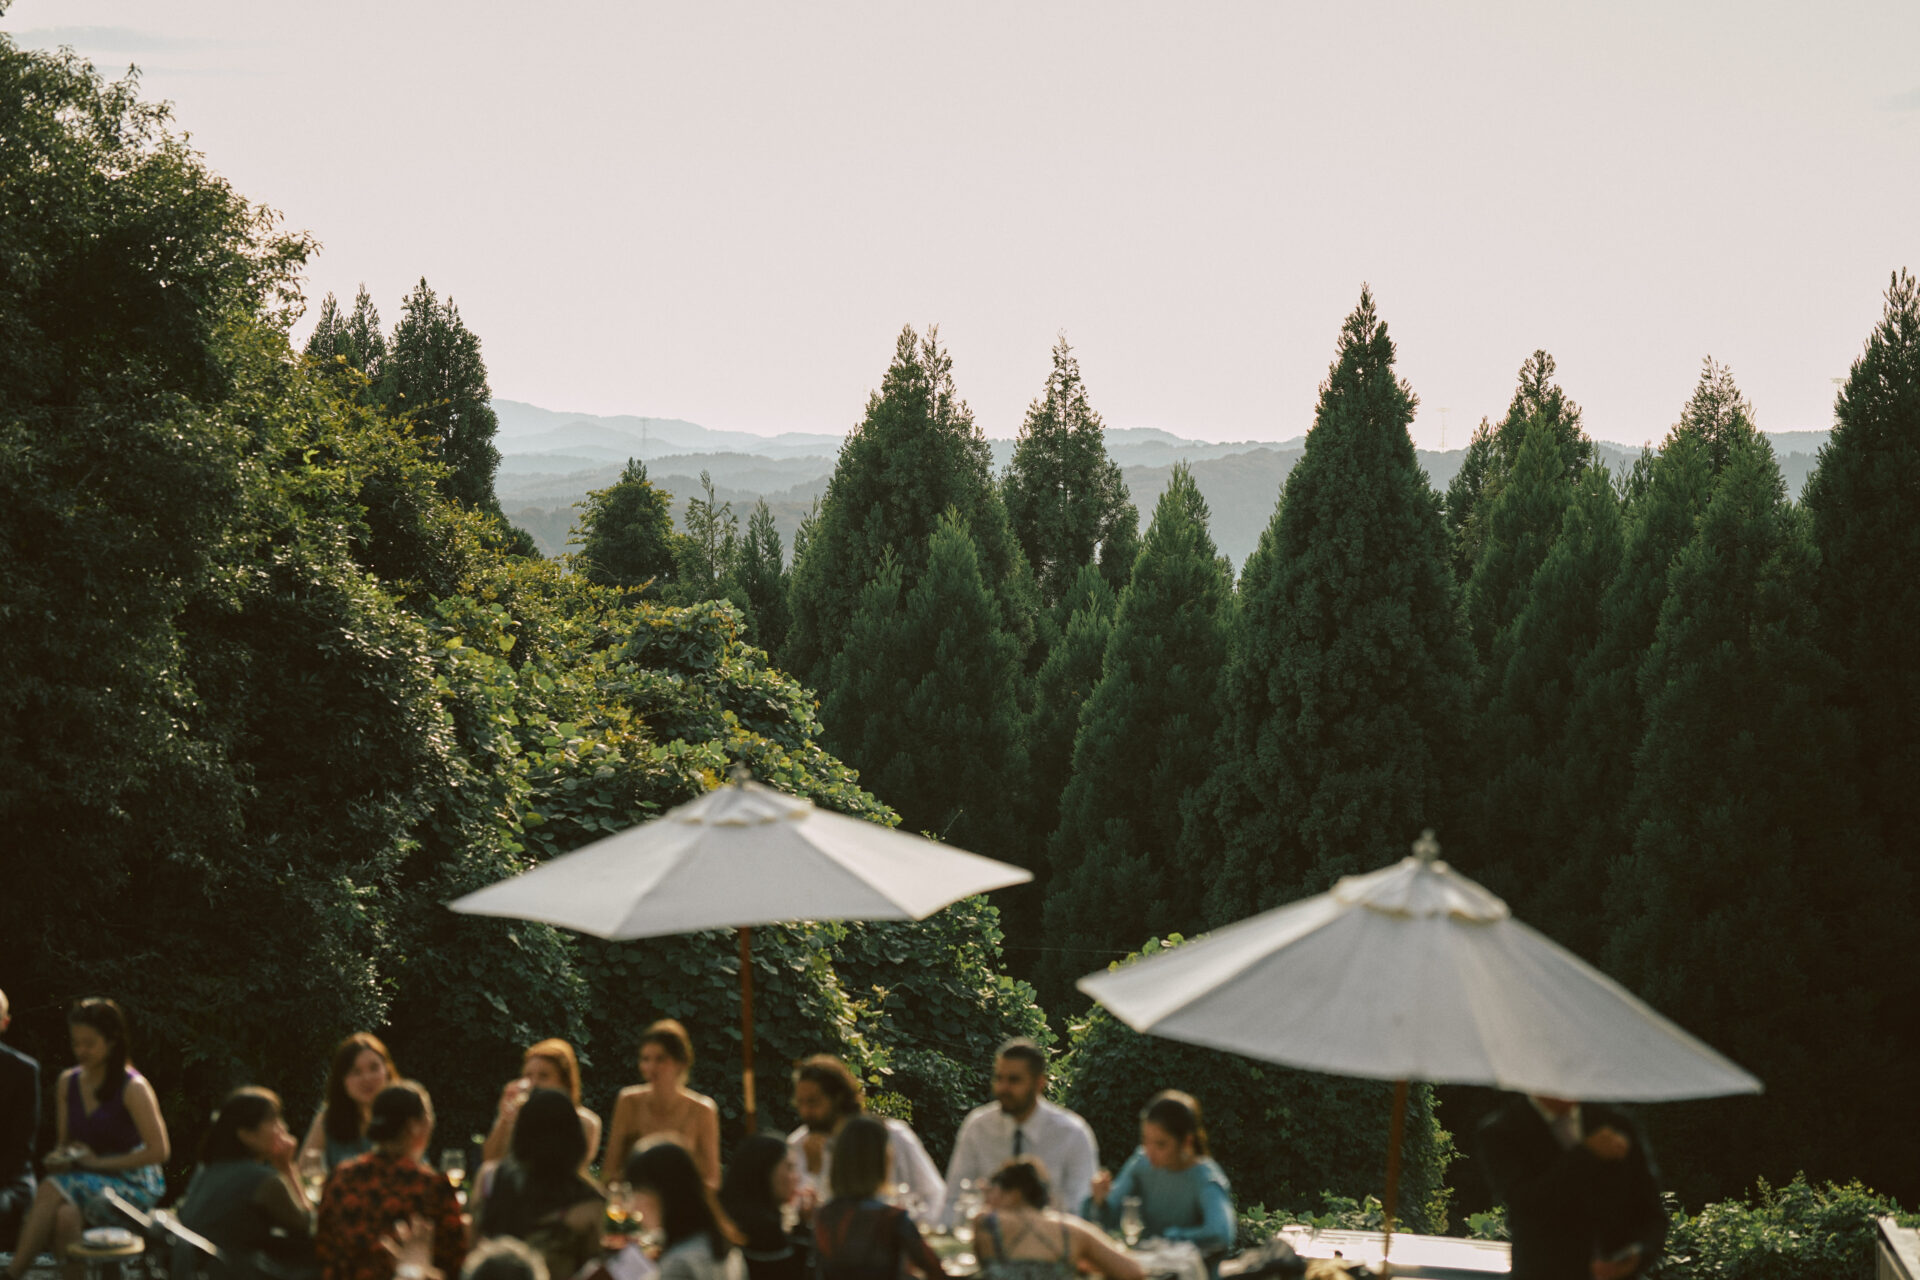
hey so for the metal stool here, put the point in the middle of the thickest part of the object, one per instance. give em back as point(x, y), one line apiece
point(108, 1263)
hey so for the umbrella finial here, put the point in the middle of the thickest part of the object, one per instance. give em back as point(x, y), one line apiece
point(739, 773)
point(1426, 848)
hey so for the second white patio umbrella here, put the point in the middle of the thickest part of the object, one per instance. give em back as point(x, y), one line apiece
point(739, 856)
point(1414, 972)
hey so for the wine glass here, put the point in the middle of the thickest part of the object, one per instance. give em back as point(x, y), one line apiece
point(1132, 1223)
point(453, 1163)
point(619, 1209)
point(313, 1173)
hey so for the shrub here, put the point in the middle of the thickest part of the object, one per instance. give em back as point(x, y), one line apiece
point(1795, 1232)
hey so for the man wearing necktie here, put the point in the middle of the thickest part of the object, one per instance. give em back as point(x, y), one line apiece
point(1582, 1197)
point(1021, 1122)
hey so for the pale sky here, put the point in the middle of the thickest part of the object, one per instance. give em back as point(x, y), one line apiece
point(725, 212)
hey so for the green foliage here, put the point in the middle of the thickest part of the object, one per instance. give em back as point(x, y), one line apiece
point(1795, 1232)
point(760, 577)
point(434, 379)
point(1865, 507)
point(1283, 1136)
point(710, 546)
point(1716, 416)
point(916, 453)
point(1469, 484)
point(350, 348)
point(1754, 909)
point(1350, 676)
point(1538, 402)
point(925, 698)
point(1066, 500)
point(1520, 521)
point(625, 534)
point(1081, 624)
point(934, 992)
point(1536, 787)
point(1145, 731)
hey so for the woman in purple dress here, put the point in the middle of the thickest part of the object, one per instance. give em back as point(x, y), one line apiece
point(111, 1136)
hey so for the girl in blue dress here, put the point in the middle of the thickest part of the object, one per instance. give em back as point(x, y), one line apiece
point(1183, 1193)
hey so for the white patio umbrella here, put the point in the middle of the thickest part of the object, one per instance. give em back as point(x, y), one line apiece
point(739, 856)
point(1414, 972)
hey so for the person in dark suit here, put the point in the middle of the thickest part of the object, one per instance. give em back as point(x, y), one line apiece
point(1582, 1197)
point(19, 1128)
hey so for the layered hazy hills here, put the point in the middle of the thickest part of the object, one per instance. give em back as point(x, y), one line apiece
point(549, 460)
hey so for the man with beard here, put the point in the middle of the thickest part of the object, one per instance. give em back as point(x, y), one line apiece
point(1021, 1122)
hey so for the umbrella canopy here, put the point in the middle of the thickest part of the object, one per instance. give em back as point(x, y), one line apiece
point(737, 856)
point(1414, 972)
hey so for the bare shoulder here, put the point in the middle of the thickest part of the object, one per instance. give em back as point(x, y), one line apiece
point(702, 1101)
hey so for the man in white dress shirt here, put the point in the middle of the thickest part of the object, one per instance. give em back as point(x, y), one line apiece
point(825, 1094)
point(1021, 1122)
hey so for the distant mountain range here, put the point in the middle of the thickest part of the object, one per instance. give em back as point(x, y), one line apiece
point(549, 460)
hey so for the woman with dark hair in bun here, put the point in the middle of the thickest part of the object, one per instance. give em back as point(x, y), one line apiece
point(111, 1138)
point(246, 1187)
point(369, 1193)
point(538, 1193)
point(1019, 1238)
point(1183, 1193)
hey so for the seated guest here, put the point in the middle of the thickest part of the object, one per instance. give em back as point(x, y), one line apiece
point(1183, 1194)
point(664, 1106)
point(551, 1064)
point(19, 1128)
point(246, 1185)
point(501, 1258)
point(756, 1192)
point(856, 1234)
point(359, 1069)
point(504, 1258)
point(826, 1096)
point(1019, 1238)
point(369, 1193)
point(676, 1201)
point(110, 1137)
point(538, 1194)
point(1021, 1122)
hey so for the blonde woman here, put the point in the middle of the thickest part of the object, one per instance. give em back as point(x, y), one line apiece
point(664, 1104)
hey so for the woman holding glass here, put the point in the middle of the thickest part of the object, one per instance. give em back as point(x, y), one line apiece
point(664, 1105)
point(110, 1138)
point(551, 1064)
point(1182, 1193)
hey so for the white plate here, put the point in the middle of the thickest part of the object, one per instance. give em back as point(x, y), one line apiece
point(107, 1237)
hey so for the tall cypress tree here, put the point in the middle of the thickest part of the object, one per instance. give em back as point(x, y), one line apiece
point(1865, 506)
point(1479, 467)
point(434, 375)
point(916, 453)
point(1521, 521)
point(1532, 805)
point(1865, 503)
point(1717, 415)
point(924, 697)
point(625, 534)
point(1754, 906)
point(1606, 720)
point(1539, 400)
point(1066, 500)
point(761, 576)
point(1355, 674)
point(1080, 623)
point(1144, 742)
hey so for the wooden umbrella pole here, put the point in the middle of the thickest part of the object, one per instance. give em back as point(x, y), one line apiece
point(1395, 1130)
point(746, 1029)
